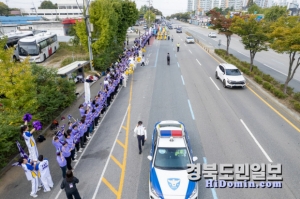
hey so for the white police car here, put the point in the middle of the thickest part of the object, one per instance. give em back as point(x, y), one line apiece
point(169, 156)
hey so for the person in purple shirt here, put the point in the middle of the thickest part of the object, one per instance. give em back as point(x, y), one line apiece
point(71, 145)
point(62, 162)
point(66, 152)
point(56, 143)
point(81, 109)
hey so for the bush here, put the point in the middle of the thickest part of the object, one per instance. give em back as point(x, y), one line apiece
point(297, 96)
point(279, 94)
point(267, 85)
point(297, 106)
point(289, 90)
point(258, 79)
point(267, 78)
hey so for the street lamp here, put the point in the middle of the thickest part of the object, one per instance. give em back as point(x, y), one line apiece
point(127, 40)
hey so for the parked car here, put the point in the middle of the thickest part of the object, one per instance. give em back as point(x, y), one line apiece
point(145, 27)
point(189, 39)
point(212, 35)
point(230, 76)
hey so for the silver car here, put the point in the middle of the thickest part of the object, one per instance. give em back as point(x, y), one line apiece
point(189, 39)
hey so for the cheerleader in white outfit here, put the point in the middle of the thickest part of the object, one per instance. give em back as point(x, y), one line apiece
point(44, 172)
point(30, 142)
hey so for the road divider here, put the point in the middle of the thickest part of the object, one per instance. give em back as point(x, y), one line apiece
point(255, 140)
point(214, 83)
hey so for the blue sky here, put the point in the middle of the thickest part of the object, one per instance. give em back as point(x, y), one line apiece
point(168, 7)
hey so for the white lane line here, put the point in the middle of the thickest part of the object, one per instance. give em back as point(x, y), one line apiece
point(182, 80)
point(185, 44)
point(243, 54)
point(192, 113)
point(198, 62)
point(175, 55)
point(275, 69)
point(214, 83)
point(264, 152)
point(278, 62)
point(178, 65)
point(213, 191)
point(190, 51)
point(202, 39)
point(108, 158)
point(84, 150)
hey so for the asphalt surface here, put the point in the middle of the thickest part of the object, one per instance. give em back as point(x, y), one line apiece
point(269, 62)
point(221, 124)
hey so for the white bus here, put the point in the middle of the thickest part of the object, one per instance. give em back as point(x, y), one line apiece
point(39, 47)
point(12, 40)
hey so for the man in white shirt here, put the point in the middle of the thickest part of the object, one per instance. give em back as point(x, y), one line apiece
point(143, 61)
point(44, 172)
point(141, 133)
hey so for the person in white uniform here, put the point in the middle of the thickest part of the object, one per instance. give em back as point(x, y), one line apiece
point(141, 133)
point(31, 175)
point(30, 142)
point(44, 172)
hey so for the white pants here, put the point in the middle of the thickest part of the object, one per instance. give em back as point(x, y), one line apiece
point(124, 80)
point(33, 153)
point(34, 185)
point(47, 182)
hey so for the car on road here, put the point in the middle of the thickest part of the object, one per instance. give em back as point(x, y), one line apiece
point(170, 27)
point(212, 34)
point(170, 153)
point(179, 30)
point(190, 39)
point(145, 27)
point(230, 76)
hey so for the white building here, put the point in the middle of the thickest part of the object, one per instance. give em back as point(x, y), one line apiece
point(66, 9)
point(192, 5)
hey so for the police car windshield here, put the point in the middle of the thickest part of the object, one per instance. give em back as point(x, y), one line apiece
point(172, 158)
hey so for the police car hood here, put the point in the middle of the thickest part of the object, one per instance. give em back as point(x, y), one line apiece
point(174, 184)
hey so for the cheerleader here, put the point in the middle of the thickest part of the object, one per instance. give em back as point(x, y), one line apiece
point(44, 172)
point(30, 142)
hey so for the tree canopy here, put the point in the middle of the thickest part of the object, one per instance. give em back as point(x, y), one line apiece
point(181, 16)
point(252, 33)
point(149, 17)
point(274, 12)
point(4, 10)
point(145, 8)
point(48, 5)
point(285, 38)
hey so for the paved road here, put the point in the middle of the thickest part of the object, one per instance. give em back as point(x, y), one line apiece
point(270, 62)
point(225, 126)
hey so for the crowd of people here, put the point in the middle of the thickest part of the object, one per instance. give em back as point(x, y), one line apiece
point(71, 140)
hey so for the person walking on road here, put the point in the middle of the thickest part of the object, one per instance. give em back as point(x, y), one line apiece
point(143, 61)
point(172, 38)
point(43, 168)
point(141, 133)
point(168, 59)
point(178, 45)
point(69, 185)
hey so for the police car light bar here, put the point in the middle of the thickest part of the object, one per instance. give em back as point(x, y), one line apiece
point(171, 133)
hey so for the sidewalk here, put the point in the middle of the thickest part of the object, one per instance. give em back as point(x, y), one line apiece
point(13, 183)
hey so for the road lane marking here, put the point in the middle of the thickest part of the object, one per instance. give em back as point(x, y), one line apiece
point(214, 83)
point(198, 62)
point(116, 161)
point(127, 114)
point(255, 140)
point(120, 143)
point(271, 107)
point(182, 80)
point(110, 186)
point(178, 65)
point(275, 69)
point(84, 150)
point(190, 51)
point(213, 191)
point(202, 39)
point(184, 44)
point(192, 113)
point(156, 57)
point(278, 62)
point(243, 54)
point(123, 127)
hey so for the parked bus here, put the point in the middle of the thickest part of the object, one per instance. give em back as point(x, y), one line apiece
point(39, 47)
point(12, 40)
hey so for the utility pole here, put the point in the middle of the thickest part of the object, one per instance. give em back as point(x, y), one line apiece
point(89, 30)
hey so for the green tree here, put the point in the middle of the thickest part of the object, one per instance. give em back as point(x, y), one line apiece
point(48, 5)
point(143, 10)
point(222, 24)
point(4, 10)
point(255, 9)
point(274, 12)
point(252, 33)
point(250, 3)
point(75, 41)
point(285, 38)
point(149, 17)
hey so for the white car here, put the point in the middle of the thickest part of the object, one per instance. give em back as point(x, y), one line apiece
point(212, 34)
point(189, 39)
point(230, 76)
point(170, 153)
point(130, 31)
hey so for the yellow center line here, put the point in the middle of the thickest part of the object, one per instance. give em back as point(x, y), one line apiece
point(119, 195)
point(123, 127)
point(116, 161)
point(109, 186)
point(120, 143)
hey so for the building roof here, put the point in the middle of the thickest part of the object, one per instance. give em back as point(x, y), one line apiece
point(71, 67)
point(19, 19)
